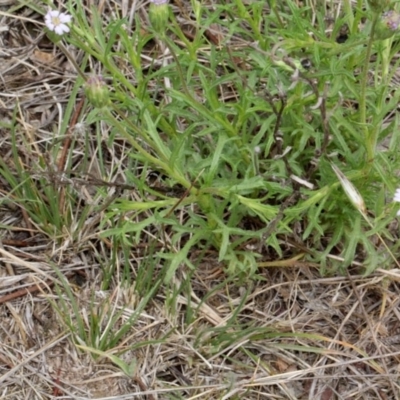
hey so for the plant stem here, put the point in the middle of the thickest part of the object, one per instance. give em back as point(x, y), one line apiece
point(369, 137)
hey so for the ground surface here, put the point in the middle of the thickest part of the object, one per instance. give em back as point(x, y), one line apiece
point(289, 335)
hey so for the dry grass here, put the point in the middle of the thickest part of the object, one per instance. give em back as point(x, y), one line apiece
point(349, 348)
point(290, 335)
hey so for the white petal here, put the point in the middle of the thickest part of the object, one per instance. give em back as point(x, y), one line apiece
point(65, 18)
point(59, 29)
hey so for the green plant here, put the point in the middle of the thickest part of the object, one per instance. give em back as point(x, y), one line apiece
point(297, 104)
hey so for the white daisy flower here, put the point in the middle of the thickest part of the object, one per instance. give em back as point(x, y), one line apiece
point(57, 21)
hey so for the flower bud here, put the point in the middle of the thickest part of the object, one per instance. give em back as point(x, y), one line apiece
point(159, 15)
point(96, 91)
point(378, 5)
point(387, 25)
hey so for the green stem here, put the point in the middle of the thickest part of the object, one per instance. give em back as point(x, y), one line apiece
point(357, 19)
point(385, 57)
point(348, 10)
point(369, 138)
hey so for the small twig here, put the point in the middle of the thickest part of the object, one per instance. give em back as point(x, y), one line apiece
point(184, 195)
point(67, 143)
point(32, 289)
point(68, 138)
point(17, 243)
point(22, 292)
